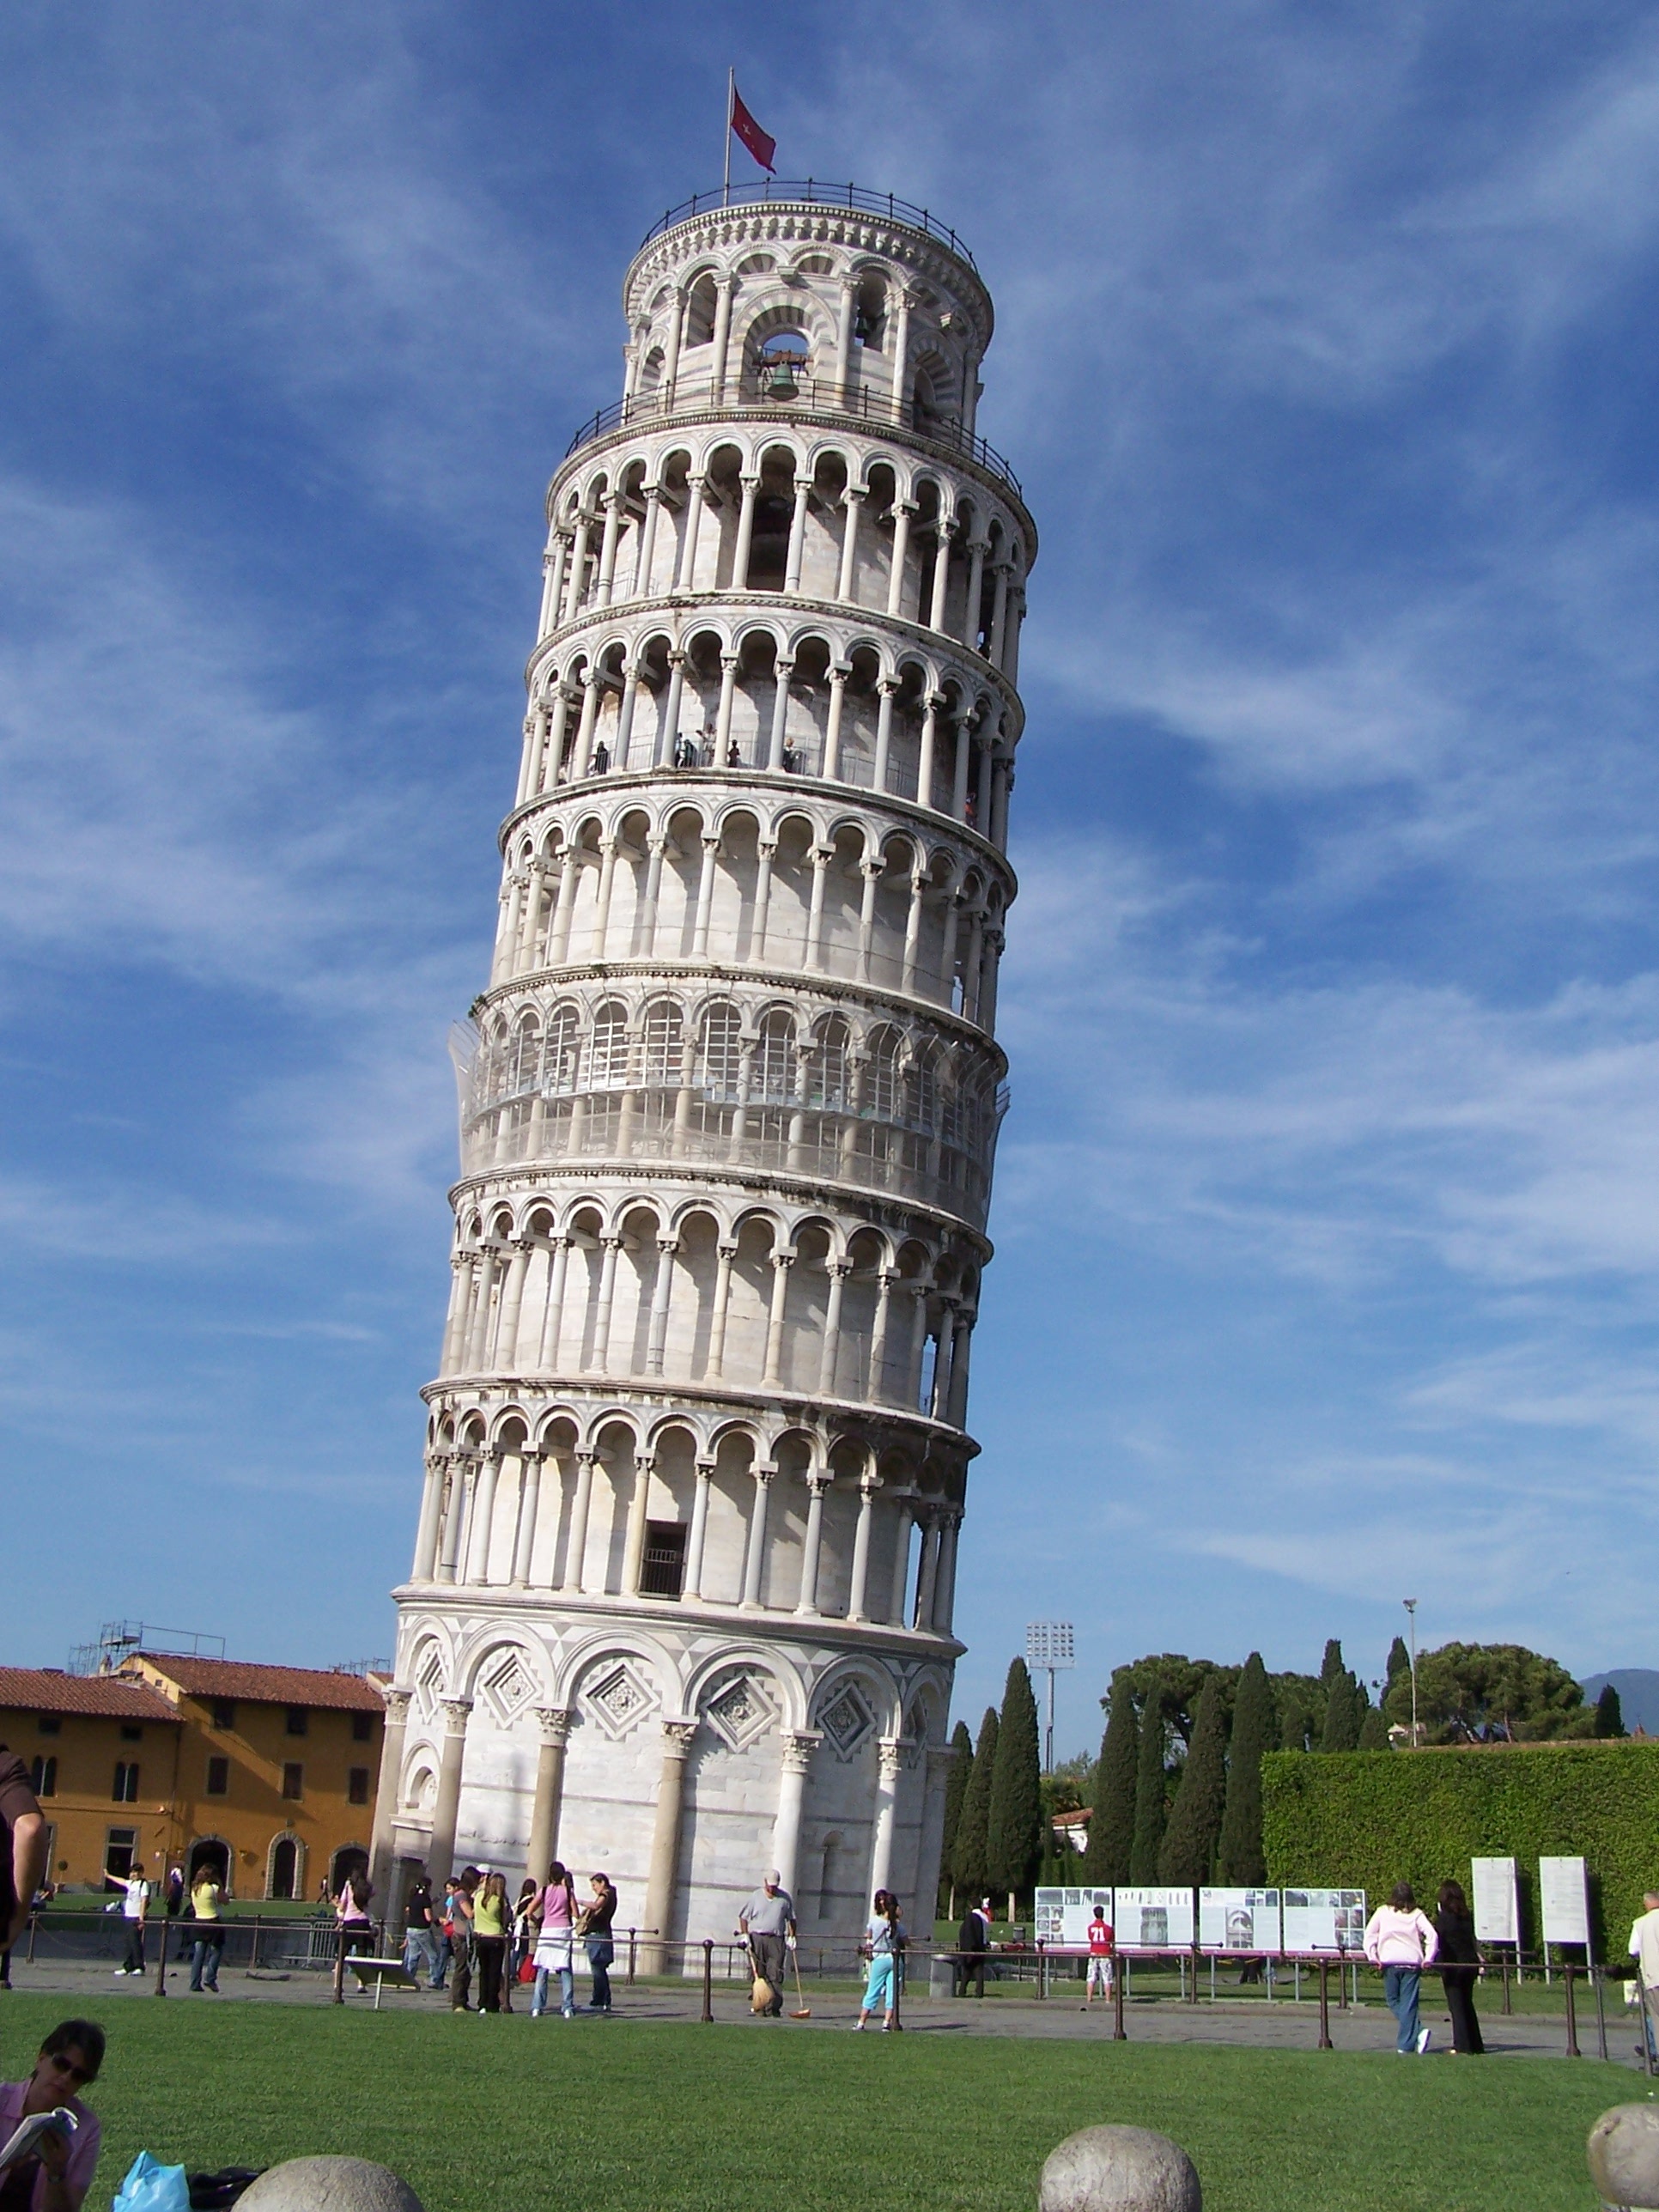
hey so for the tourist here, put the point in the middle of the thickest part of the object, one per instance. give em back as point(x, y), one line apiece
point(733, 754)
point(207, 1905)
point(23, 1846)
point(523, 1929)
point(1459, 1957)
point(491, 1918)
point(351, 1912)
point(57, 2175)
point(596, 1922)
point(461, 1896)
point(1401, 1940)
point(973, 1942)
point(175, 1898)
point(135, 1905)
point(885, 1940)
point(554, 1943)
point(1645, 1949)
point(768, 1922)
point(1102, 1941)
point(421, 1933)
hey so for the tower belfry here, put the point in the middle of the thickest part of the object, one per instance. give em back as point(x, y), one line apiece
point(681, 1603)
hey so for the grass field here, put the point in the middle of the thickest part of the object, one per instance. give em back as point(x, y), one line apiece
point(516, 2116)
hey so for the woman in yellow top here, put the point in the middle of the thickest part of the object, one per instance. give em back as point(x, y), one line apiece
point(491, 1916)
point(207, 1902)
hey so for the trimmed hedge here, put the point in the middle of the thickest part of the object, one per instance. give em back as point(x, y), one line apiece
point(1368, 1820)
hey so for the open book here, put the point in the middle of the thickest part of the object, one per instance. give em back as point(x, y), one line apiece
point(21, 2143)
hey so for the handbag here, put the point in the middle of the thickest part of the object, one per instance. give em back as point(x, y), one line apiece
point(527, 1968)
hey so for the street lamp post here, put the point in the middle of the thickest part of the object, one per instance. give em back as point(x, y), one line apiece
point(1410, 1604)
point(1048, 1647)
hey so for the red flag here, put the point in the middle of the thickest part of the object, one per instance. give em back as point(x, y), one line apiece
point(750, 133)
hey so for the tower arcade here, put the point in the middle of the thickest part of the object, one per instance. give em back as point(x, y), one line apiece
point(681, 1602)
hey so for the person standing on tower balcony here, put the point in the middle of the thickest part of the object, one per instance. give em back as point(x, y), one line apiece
point(768, 1922)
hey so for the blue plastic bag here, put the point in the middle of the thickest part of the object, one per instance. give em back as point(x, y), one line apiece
point(151, 2187)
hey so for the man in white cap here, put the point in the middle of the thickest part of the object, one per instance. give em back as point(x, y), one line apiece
point(769, 1922)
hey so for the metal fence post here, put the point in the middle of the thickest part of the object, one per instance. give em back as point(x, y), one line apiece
point(162, 1960)
point(1118, 1979)
point(339, 1965)
point(633, 1953)
point(1598, 1975)
point(708, 1978)
point(1573, 2051)
point(1325, 2043)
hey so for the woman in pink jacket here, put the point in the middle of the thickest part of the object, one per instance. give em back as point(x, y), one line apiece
point(1401, 1940)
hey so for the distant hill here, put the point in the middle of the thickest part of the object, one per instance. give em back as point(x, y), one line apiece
point(1638, 1695)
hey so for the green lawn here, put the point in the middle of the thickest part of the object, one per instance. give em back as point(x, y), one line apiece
point(515, 2116)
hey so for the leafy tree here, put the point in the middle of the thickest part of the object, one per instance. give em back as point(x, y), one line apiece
point(1491, 1694)
point(1374, 1730)
point(1112, 1823)
point(1300, 1701)
point(1609, 1714)
point(1014, 1834)
point(956, 1789)
point(1180, 1681)
point(1071, 1786)
point(1241, 1860)
point(1151, 1785)
point(1188, 1853)
point(969, 1869)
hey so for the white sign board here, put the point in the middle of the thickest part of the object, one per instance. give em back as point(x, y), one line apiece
point(1154, 1919)
point(1496, 1906)
point(1324, 1919)
point(1238, 1919)
point(1564, 1894)
point(1063, 1917)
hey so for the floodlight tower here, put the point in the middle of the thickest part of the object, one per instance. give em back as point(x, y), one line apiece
point(1048, 1649)
point(683, 1586)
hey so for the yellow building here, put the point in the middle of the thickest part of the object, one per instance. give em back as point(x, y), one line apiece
point(266, 1774)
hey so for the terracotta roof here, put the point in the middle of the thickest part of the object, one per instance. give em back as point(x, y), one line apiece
point(37, 1690)
point(265, 1686)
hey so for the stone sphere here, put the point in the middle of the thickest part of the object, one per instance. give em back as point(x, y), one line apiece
point(329, 2185)
point(1624, 2156)
point(1116, 2170)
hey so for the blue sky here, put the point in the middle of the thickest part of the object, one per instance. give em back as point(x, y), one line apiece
point(1328, 1215)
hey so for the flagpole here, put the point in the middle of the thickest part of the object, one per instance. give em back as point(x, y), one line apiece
point(725, 183)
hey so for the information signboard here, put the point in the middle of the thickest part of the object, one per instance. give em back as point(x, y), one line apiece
point(1324, 1919)
point(1563, 1892)
point(1154, 1919)
point(1063, 1917)
point(1496, 1906)
point(1239, 1920)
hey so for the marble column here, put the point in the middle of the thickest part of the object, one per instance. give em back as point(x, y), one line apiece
point(890, 1751)
point(440, 1853)
point(754, 1561)
point(387, 1797)
point(799, 1745)
point(554, 1723)
point(656, 1954)
point(698, 1536)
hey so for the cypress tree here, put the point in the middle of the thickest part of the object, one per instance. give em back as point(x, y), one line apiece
point(1241, 1860)
point(1014, 1831)
point(1149, 1790)
point(968, 1868)
point(1112, 1823)
point(1374, 1730)
point(1187, 1855)
point(1342, 1703)
point(956, 1788)
point(1400, 1662)
point(1609, 1714)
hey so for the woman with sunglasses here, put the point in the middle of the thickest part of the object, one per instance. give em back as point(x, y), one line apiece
point(57, 2172)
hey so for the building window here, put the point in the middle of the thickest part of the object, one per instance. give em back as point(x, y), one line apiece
point(293, 1776)
point(125, 1791)
point(120, 1848)
point(357, 1785)
point(43, 1776)
point(362, 1727)
point(218, 1778)
point(298, 1720)
point(50, 1724)
point(224, 1713)
point(131, 1733)
point(285, 1868)
point(663, 1573)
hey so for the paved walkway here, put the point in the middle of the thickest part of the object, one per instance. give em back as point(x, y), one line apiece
point(1248, 2023)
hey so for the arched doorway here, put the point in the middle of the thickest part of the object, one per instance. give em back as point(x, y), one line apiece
point(349, 1859)
point(210, 1855)
point(285, 1878)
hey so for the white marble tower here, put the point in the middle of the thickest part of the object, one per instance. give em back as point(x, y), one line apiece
point(681, 1599)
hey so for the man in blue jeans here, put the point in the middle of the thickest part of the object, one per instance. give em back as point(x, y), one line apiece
point(1402, 1941)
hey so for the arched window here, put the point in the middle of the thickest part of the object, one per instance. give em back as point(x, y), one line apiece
point(924, 1091)
point(720, 1052)
point(830, 1070)
point(608, 1067)
point(950, 1106)
point(561, 1060)
point(284, 1867)
point(527, 1055)
point(881, 1079)
point(774, 1062)
point(662, 1034)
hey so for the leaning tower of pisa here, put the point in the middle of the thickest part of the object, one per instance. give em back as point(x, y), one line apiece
point(681, 1603)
